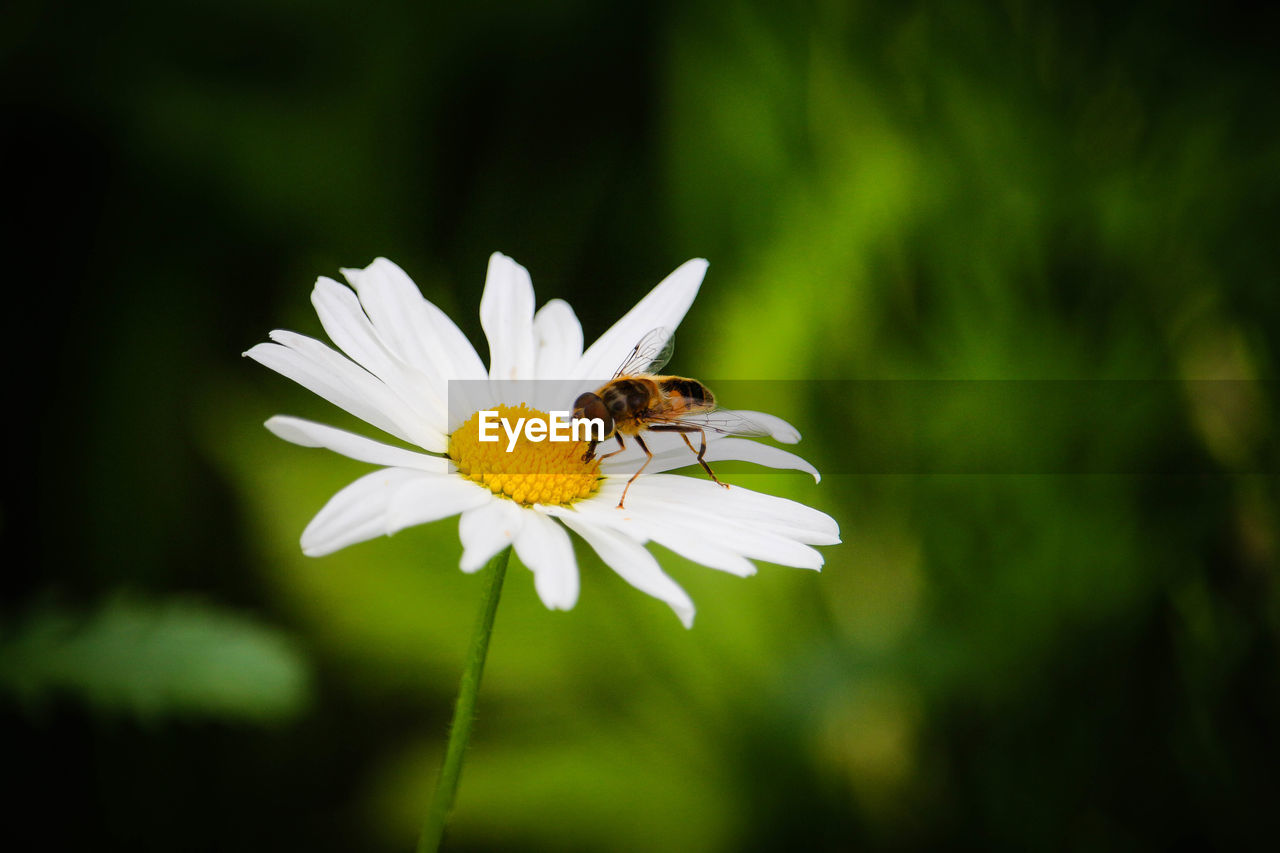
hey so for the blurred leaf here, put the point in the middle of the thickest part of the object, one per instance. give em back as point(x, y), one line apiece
point(174, 658)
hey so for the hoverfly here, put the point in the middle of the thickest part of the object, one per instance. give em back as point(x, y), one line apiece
point(637, 400)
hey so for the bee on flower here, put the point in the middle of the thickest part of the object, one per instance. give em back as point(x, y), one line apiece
point(409, 371)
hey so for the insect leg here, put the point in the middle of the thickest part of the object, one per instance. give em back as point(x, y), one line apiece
point(648, 458)
point(702, 451)
point(684, 431)
point(621, 447)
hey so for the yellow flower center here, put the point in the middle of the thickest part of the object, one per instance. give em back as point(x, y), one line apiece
point(531, 472)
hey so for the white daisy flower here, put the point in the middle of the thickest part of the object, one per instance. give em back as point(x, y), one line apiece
point(403, 360)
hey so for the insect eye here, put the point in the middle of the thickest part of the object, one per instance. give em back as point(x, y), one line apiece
point(592, 407)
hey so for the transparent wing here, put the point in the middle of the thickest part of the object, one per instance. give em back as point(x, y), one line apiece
point(735, 422)
point(723, 421)
point(651, 354)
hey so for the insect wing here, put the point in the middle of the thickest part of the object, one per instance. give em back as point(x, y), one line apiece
point(651, 354)
point(723, 421)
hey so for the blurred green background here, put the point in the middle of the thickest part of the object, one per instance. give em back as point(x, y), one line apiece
point(885, 191)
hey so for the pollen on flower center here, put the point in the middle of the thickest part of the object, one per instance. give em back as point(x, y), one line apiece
point(532, 472)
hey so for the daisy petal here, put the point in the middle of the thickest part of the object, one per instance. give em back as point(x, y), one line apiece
point(418, 331)
point(347, 326)
point(703, 551)
point(486, 530)
point(426, 500)
point(544, 547)
point(633, 564)
point(506, 315)
point(736, 449)
point(311, 434)
point(414, 424)
point(682, 538)
point(704, 534)
point(558, 337)
point(674, 509)
point(664, 306)
point(392, 302)
point(383, 502)
point(328, 375)
point(752, 509)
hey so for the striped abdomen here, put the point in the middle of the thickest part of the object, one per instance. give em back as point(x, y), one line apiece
point(686, 396)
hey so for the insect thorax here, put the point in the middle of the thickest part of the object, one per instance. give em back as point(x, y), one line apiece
point(630, 397)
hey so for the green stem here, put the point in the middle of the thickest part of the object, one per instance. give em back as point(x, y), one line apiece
point(464, 711)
